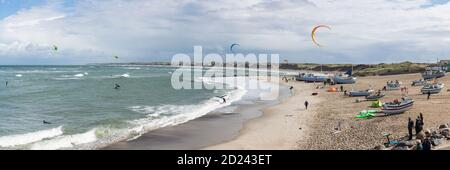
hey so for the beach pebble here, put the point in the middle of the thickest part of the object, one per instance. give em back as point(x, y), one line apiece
point(400, 148)
point(437, 142)
point(445, 132)
point(443, 126)
point(380, 147)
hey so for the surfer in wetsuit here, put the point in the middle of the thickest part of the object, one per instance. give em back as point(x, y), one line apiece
point(223, 99)
point(45, 122)
point(117, 86)
point(6, 83)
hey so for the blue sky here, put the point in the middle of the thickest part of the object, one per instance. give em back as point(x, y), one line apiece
point(91, 31)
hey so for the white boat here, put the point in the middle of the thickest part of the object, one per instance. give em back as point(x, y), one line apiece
point(418, 82)
point(375, 97)
point(311, 78)
point(393, 86)
point(344, 80)
point(363, 93)
point(432, 88)
point(397, 107)
point(433, 74)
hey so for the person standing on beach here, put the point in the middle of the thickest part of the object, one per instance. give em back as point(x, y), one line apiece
point(291, 88)
point(421, 117)
point(419, 126)
point(306, 105)
point(410, 128)
point(429, 94)
point(342, 88)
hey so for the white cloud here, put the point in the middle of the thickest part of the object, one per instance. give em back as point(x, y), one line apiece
point(389, 30)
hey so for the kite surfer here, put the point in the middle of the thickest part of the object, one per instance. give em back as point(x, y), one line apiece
point(223, 99)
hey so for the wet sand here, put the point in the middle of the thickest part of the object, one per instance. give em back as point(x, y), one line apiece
point(282, 127)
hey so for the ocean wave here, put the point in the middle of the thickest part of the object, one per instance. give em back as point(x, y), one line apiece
point(65, 141)
point(171, 115)
point(23, 139)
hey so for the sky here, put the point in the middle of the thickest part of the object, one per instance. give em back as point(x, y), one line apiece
point(93, 31)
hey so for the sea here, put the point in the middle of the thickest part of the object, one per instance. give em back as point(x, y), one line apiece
point(84, 109)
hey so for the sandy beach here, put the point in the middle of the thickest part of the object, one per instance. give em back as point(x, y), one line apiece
point(284, 126)
point(289, 126)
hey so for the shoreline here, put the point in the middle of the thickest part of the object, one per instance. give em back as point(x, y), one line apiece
point(213, 128)
point(279, 127)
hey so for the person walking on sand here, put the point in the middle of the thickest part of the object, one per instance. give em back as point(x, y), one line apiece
point(342, 88)
point(410, 128)
point(306, 105)
point(429, 94)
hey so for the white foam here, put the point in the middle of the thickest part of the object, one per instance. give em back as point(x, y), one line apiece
point(15, 140)
point(86, 73)
point(78, 75)
point(125, 75)
point(132, 68)
point(19, 75)
point(171, 115)
point(66, 141)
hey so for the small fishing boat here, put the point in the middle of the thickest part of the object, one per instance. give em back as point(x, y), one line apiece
point(344, 80)
point(433, 74)
point(397, 107)
point(421, 82)
point(363, 93)
point(311, 78)
point(432, 88)
point(375, 97)
point(393, 85)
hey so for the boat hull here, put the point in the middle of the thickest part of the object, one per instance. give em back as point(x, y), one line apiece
point(390, 109)
point(360, 94)
point(346, 80)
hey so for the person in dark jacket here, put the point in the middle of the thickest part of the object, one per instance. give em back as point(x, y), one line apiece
point(421, 117)
point(410, 128)
point(426, 144)
point(418, 126)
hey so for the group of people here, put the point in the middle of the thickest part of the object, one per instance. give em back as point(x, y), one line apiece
point(418, 127)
